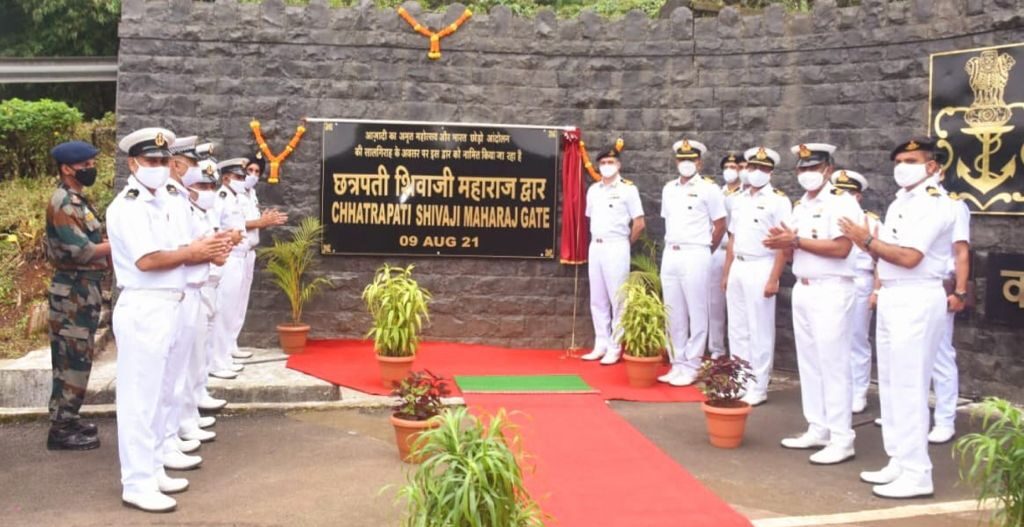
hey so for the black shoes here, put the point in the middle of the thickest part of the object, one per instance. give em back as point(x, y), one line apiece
point(72, 436)
point(87, 429)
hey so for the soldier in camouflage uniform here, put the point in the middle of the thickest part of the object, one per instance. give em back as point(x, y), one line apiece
point(75, 247)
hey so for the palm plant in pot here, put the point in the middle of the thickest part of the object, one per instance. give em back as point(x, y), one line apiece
point(722, 381)
point(398, 306)
point(419, 402)
point(287, 261)
point(644, 335)
point(993, 461)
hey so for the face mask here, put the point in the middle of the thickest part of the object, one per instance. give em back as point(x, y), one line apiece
point(250, 181)
point(757, 178)
point(86, 176)
point(906, 174)
point(811, 181)
point(744, 176)
point(152, 177)
point(687, 168)
point(236, 186)
point(204, 199)
point(730, 175)
point(191, 177)
point(608, 171)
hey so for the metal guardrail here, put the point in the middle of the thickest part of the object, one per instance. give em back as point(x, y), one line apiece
point(57, 69)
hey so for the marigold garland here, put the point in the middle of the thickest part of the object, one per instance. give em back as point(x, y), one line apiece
point(276, 160)
point(435, 37)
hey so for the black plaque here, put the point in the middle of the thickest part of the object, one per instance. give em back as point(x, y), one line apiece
point(444, 189)
point(1004, 295)
point(977, 116)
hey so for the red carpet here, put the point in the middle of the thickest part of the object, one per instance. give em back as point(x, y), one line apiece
point(591, 468)
point(352, 363)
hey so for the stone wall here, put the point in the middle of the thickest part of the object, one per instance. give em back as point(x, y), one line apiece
point(856, 77)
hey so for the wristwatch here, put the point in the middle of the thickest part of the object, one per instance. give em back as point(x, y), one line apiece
point(960, 295)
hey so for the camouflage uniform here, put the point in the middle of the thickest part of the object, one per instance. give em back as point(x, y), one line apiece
point(72, 232)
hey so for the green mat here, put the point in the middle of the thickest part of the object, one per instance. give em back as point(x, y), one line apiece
point(523, 384)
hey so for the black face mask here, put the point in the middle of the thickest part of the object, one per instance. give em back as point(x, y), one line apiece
point(86, 176)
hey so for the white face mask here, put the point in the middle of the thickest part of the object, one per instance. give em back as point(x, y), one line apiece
point(608, 171)
point(730, 175)
point(907, 175)
point(191, 177)
point(152, 177)
point(744, 176)
point(687, 168)
point(811, 181)
point(250, 181)
point(236, 186)
point(204, 199)
point(758, 178)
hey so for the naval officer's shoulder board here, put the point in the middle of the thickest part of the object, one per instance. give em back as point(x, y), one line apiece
point(132, 193)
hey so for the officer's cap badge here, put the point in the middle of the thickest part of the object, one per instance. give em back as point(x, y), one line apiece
point(686, 146)
point(843, 178)
point(761, 154)
point(804, 152)
point(159, 140)
point(912, 145)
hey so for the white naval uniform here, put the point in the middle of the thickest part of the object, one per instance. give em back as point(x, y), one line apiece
point(751, 315)
point(252, 212)
point(716, 297)
point(198, 278)
point(689, 209)
point(145, 323)
point(229, 213)
point(911, 312)
point(860, 317)
point(610, 208)
point(946, 378)
point(822, 308)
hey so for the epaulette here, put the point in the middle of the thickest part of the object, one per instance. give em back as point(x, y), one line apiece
point(871, 215)
point(837, 191)
point(626, 181)
point(132, 193)
point(709, 179)
point(172, 190)
point(795, 203)
point(223, 193)
point(731, 191)
point(780, 192)
point(955, 196)
point(932, 191)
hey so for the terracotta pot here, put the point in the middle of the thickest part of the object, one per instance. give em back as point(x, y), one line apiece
point(725, 425)
point(642, 372)
point(292, 337)
point(406, 433)
point(394, 369)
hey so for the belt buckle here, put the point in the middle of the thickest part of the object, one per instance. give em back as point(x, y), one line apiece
point(740, 258)
point(598, 240)
point(676, 248)
point(805, 281)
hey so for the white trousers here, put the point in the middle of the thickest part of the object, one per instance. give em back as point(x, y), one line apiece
point(860, 331)
point(193, 384)
point(230, 315)
point(173, 391)
point(946, 377)
point(144, 327)
point(250, 273)
point(684, 284)
point(821, 326)
point(909, 328)
point(752, 319)
point(716, 304)
point(608, 267)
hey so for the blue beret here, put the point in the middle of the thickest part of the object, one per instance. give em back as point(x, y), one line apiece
point(73, 152)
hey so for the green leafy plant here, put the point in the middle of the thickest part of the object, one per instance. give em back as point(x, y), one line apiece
point(470, 477)
point(398, 306)
point(28, 130)
point(644, 269)
point(722, 380)
point(644, 321)
point(993, 460)
point(419, 396)
point(289, 260)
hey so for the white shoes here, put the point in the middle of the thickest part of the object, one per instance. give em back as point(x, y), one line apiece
point(207, 421)
point(611, 357)
point(804, 441)
point(226, 373)
point(240, 354)
point(169, 485)
point(198, 435)
point(941, 434)
point(832, 455)
point(178, 461)
point(888, 474)
point(669, 375)
point(683, 378)
point(237, 368)
point(754, 399)
point(185, 445)
point(860, 403)
point(149, 501)
point(595, 354)
point(904, 487)
point(211, 404)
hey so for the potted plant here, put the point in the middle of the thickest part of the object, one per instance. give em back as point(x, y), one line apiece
point(398, 306)
point(470, 476)
point(419, 401)
point(993, 460)
point(722, 381)
point(287, 262)
point(644, 335)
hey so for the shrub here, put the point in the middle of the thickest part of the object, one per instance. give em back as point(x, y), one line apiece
point(993, 460)
point(28, 130)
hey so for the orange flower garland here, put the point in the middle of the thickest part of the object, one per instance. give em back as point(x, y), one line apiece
point(435, 37)
point(276, 160)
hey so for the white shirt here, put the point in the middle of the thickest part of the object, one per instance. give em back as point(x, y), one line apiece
point(818, 218)
point(139, 224)
point(864, 262)
point(961, 226)
point(251, 206)
point(229, 214)
point(754, 212)
point(921, 220)
point(611, 207)
point(689, 208)
point(180, 207)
